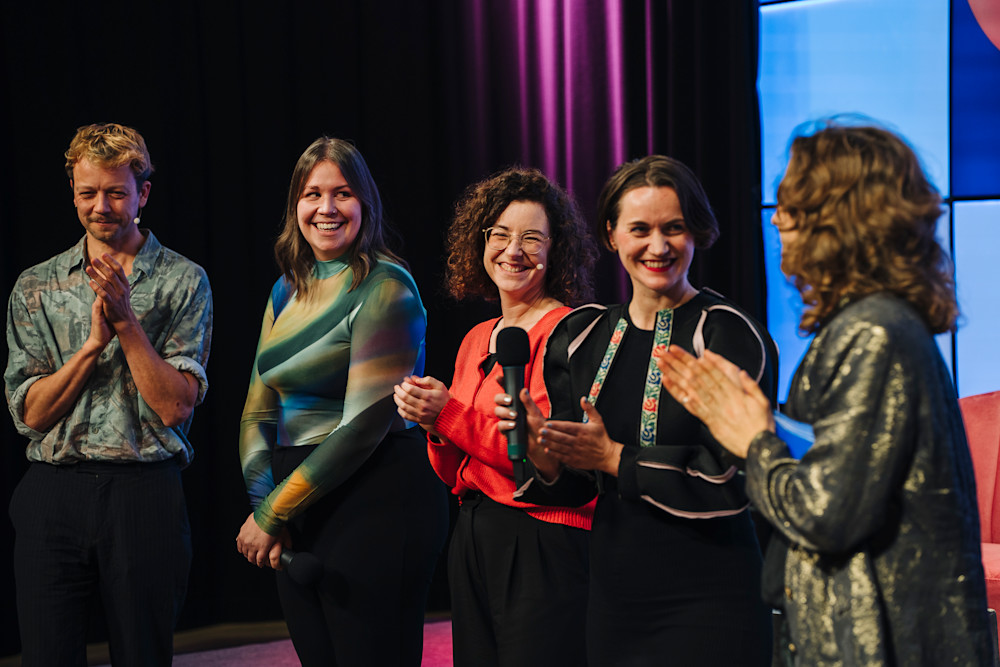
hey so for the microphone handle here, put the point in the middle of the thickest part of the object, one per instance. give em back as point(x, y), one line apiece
point(517, 439)
point(286, 558)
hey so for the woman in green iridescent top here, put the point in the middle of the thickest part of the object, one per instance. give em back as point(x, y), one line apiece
point(330, 468)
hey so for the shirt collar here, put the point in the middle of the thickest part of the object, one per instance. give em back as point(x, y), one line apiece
point(73, 259)
point(145, 260)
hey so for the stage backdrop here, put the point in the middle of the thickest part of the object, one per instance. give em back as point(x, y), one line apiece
point(435, 94)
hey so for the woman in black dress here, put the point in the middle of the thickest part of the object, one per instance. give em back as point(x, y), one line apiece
point(675, 563)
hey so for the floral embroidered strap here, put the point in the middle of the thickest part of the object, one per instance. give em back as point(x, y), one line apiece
point(651, 392)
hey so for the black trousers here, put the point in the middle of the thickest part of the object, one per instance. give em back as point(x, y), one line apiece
point(379, 536)
point(518, 588)
point(119, 532)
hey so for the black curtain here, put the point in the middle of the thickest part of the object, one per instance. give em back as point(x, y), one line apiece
point(227, 96)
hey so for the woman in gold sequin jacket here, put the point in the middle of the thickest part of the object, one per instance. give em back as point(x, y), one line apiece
point(879, 514)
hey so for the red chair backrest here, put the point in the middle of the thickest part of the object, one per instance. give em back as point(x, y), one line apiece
point(981, 414)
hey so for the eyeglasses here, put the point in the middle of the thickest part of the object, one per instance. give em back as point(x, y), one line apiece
point(499, 238)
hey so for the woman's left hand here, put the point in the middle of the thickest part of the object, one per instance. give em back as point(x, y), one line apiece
point(586, 446)
point(259, 547)
point(421, 400)
point(720, 394)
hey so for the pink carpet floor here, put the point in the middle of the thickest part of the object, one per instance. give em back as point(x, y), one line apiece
point(437, 652)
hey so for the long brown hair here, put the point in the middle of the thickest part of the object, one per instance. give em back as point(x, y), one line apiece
point(292, 252)
point(866, 216)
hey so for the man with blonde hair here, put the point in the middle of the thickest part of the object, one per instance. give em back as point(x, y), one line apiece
point(108, 343)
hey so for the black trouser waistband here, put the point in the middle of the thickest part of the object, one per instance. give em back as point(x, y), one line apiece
point(106, 467)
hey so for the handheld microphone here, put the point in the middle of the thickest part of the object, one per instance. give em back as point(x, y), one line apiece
point(513, 352)
point(304, 568)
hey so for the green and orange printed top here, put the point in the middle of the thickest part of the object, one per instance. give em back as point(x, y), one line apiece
point(323, 375)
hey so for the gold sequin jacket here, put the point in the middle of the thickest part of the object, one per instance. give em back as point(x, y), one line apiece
point(883, 562)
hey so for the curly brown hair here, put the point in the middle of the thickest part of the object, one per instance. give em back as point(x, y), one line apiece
point(865, 216)
point(570, 262)
point(293, 254)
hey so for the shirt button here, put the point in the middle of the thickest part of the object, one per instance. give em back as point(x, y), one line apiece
point(791, 648)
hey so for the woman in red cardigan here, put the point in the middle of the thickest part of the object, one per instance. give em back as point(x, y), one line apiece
point(517, 572)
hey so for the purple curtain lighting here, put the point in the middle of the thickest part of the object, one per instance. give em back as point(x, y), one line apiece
point(437, 95)
point(549, 79)
point(577, 88)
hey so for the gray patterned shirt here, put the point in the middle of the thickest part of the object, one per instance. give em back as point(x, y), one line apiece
point(48, 320)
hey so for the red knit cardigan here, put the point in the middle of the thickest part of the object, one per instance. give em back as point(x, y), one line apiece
point(471, 453)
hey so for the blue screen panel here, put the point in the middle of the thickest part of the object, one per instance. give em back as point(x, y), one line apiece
point(977, 237)
point(975, 147)
point(946, 341)
point(887, 60)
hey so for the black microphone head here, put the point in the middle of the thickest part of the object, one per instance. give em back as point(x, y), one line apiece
point(304, 568)
point(513, 348)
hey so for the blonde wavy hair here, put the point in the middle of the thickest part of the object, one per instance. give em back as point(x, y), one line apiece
point(109, 146)
point(865, 215)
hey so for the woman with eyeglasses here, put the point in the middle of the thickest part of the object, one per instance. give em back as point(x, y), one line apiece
point(675, 565)
point(517, 571)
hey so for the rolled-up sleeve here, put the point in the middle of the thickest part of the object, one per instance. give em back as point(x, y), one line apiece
point(187, 345)
point(27, 359)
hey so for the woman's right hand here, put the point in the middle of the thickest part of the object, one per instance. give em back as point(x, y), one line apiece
point(720, 394)
point(421, 400)
point(260, 548)
point(547, 466)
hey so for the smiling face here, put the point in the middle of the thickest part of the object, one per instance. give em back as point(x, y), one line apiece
point(653, 244)
point(516, 273)
point(328, 213)
point(107, 201)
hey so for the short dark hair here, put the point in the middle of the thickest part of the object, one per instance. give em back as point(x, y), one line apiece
point(658, 171)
